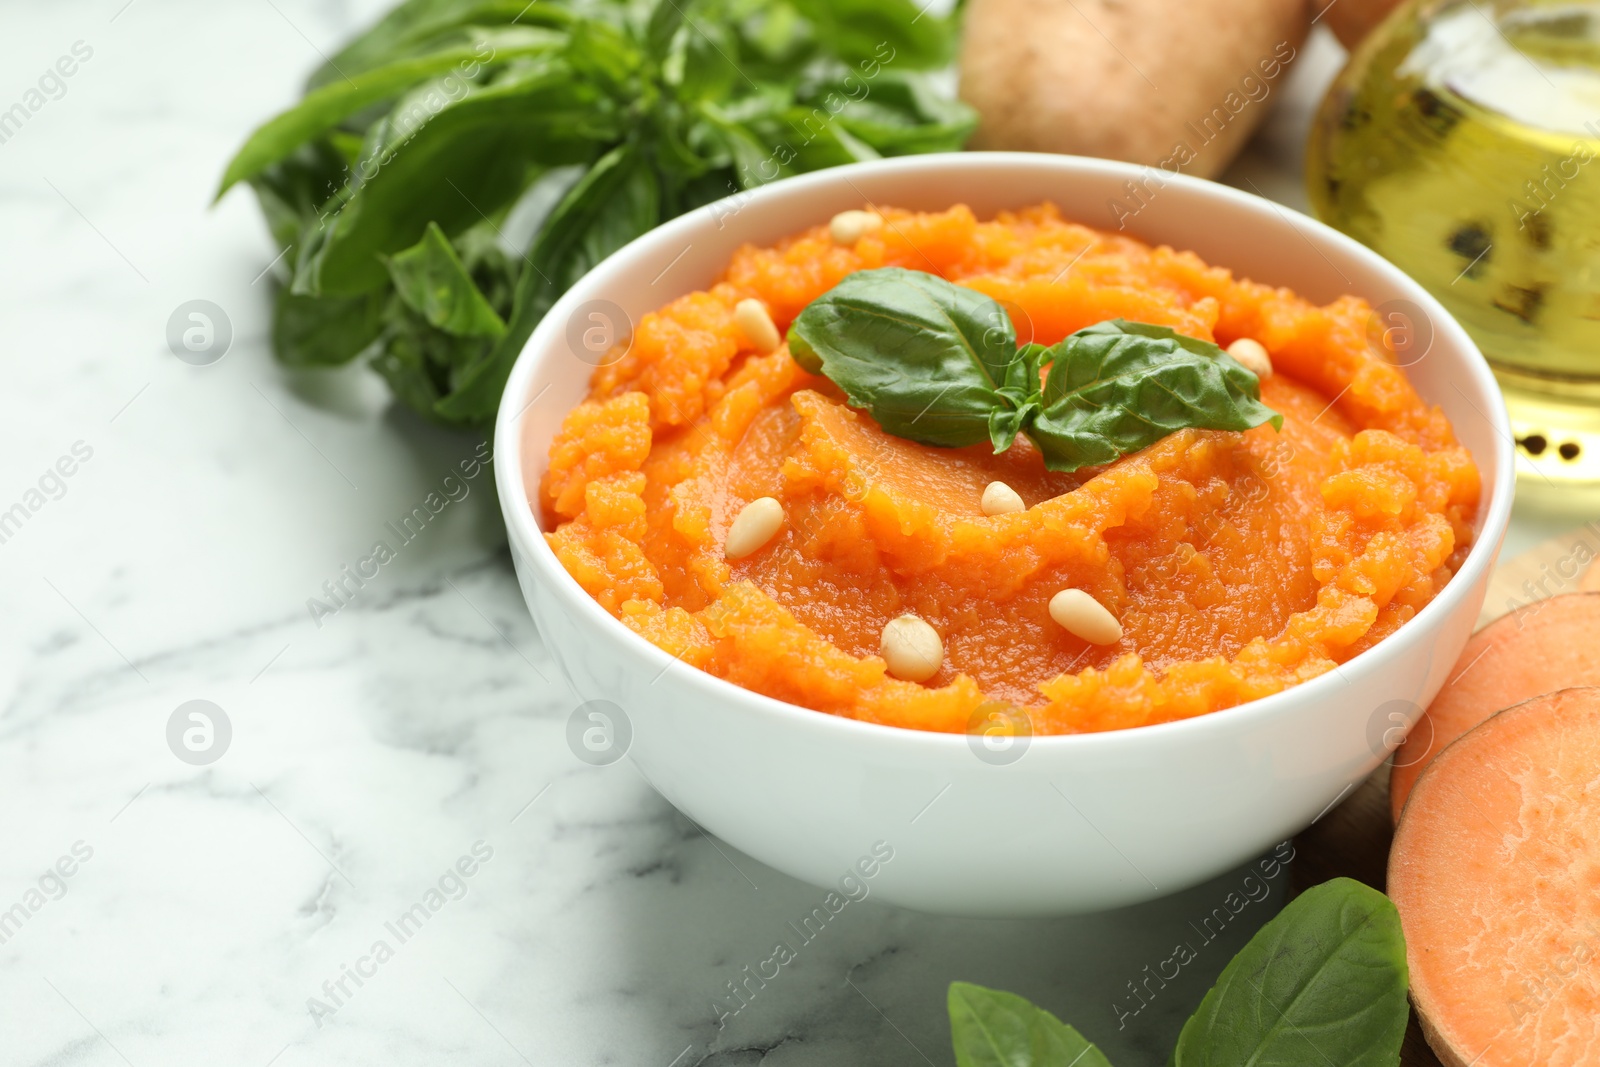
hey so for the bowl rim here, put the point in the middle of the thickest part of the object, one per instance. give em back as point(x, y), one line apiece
point(522, 526)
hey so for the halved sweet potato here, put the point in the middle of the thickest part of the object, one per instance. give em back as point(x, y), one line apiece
point(1496, 872)
point(1547, 645)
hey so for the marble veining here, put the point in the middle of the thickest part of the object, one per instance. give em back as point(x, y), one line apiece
point(303, 898)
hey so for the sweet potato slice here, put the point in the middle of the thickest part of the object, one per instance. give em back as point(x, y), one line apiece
point(1496, 872)
point(1547, 645)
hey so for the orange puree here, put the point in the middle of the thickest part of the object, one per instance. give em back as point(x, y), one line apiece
point(1238, 563)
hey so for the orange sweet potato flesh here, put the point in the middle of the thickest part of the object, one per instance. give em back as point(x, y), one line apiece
point(1543, 646)
point(1495, 870)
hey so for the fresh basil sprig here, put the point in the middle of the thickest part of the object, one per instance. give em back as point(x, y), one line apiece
point(508, 147)
point(939, 364)
point(1323, 982)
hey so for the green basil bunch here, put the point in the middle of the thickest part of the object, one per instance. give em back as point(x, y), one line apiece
point(939, 364)
point(453, 170)
point(1323, 983)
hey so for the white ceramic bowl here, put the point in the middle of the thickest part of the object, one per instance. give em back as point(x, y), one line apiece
point(1078, 823)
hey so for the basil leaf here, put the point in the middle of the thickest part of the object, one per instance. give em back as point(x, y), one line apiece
point(744, 136)
point(1323, 982)
point(873, 32)
point(929, 360)
point(414, 359)
point(418, 27)
point(824, 143)
point(603, 54)
point(899, 113)
point(662, 27)
point(422, 363)
point(312, 332)
point(1006, 423)
point(616, 201)
point(1118, 386)
point(326, 107)
point(709, 71)
point(990, 1028)
point(293, 190)
point(777, 39)
point(454, 163)
point(431, 279)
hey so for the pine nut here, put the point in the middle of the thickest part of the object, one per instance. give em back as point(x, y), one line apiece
point(1253, 356)
point(912, 649)
point(848, 227)
point(755, 322)
point(1084, 616)
point(753, 527)
point(1000, 499)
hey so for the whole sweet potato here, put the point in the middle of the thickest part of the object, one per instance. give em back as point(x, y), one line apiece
point(1173, 84)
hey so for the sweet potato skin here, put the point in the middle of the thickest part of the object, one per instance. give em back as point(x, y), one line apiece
point(1493, 870)
point(1127, 79)
point(1540, 647)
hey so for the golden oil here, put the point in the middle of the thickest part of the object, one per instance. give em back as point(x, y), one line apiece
point(1462, 143)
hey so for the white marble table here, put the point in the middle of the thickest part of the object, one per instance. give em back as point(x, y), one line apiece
point(155, 912)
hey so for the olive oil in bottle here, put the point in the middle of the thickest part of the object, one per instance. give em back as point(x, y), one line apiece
point(1462, 143)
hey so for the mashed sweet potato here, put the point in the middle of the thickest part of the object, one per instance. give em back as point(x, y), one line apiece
point(1238, 563)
